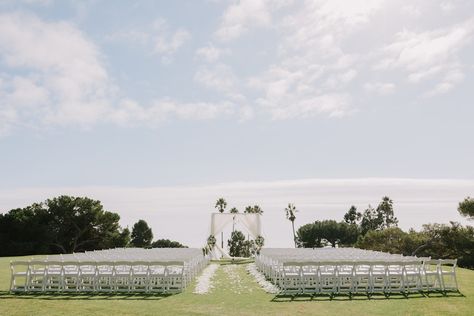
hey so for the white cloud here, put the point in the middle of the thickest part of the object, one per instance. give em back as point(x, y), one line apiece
point(312, 72)
point(157, 38)
point(411, 10)
point(447, 6)
point(130, 112)
point(340, 79)
point(190, 111)
point(219, 77)
point(381, 88)
point(62, 72)
point(28, 2)
point(430, 55)
point(209, 53)
point(246, 113)
point(324, 23)
point(332, 105)
point(448, 82)
point(62, 81)
point(413, 51)
point(167, 42)
point(242, 15)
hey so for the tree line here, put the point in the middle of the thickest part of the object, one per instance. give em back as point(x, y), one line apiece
point(67, 224)
point(377, 229)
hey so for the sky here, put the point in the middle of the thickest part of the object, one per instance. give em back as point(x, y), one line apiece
point(157, 108)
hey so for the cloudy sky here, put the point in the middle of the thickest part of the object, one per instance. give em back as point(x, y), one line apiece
point(157, 108)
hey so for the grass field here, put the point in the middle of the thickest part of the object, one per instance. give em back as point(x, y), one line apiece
point(235, 293)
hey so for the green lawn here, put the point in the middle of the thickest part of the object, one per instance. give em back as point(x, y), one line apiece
point(233, 297)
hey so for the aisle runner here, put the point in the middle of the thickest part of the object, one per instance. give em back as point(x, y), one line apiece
point(260, 278)
point(234, 281)
point(204, 281)
point(230, 279)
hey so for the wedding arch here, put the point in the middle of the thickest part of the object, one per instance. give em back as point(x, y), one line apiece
point(250, 221)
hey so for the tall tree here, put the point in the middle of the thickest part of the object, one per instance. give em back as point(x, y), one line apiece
point(327, 232)
point(290, 212)
point(380, 218)
point(249, 209)
point(233, 210)
point(466, 207)
point(142, 235)
point(221, 204)
point(166, 243)
point(259, 242)
point(385, 211)
point(309, 236)
point(370, 220)
point(62, 224)
point(392, 240)
point(236, 244)
point(257, 209)
point(352, 216)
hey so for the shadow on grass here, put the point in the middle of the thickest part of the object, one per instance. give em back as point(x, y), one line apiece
point(282, 298)
point(85, 296)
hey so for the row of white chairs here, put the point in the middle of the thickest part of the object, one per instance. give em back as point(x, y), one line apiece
point(106, 273)
point(329, 253)
point(366, 274)
point(193, 259)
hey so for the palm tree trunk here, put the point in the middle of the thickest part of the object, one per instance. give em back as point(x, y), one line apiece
point(294, 236)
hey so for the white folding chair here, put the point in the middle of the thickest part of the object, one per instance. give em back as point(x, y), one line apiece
point(105, 276)
point(432, 275)
point(175, 281)
point(37, 276)
point(309, 280)
point(19, 276)
point(412, 276)
point(361, 278)
point(345, 278)
point(290, 281)
point(378, 277)
point(328, 277)
point(139, 276)
point(157, 277)
point(70, 276)
point(53, 277)
point(448, 274)
point(122, 276)
point(395, 277)
point(87, 278)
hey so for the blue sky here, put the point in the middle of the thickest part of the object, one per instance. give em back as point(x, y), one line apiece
point(188, 93)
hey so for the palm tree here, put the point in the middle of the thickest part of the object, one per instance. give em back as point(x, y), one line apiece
point(290, 215)
point(249, 209)
point(233, 210)
point(257, 209)
point(221, 204)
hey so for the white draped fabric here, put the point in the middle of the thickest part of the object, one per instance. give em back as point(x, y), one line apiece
point(218, 252)
point(251, 222)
